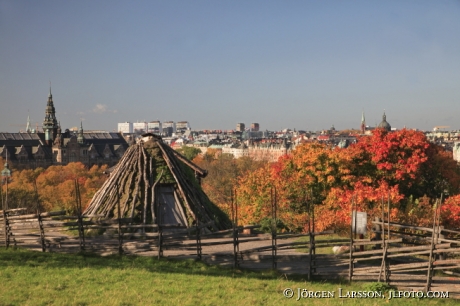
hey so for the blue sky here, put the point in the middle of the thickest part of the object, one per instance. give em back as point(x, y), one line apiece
point(284, 64)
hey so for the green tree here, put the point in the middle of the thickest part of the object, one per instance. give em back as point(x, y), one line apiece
point(189, 152)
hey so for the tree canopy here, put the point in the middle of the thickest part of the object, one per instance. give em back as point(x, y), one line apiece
point(401, 167)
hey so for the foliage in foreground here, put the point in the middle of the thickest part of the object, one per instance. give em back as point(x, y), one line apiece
point(32, 278)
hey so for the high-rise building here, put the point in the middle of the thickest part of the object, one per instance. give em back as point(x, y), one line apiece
point(169, 124)
point(125, 127)
point(140, 127)
point(255, 127)
point(154, 127)
point(240, 127)
point(182, 126)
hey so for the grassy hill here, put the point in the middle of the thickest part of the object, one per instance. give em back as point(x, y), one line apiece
point(33, 278)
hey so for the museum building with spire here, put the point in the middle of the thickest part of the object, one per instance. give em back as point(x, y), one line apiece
point(51, 146)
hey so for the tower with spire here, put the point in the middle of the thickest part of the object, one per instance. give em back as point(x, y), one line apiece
point(50, 123)
point(384, 124)
point(363, 123)
point(28, 128)
point(80, 138)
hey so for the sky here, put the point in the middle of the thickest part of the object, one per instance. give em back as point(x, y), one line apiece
point(302, 64)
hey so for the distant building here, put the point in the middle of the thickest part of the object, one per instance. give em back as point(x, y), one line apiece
point(52, 147)
point(456, 151)
point(255, 127)
point(154, 127)
point(169, 124)
point(269, 151)
point(125, 127)
point(384, 124)
point(240, 127)
point(182, 126)
point(139, 127)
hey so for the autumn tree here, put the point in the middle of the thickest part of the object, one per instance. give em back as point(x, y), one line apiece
point(399, 167)
point(53, 188)
point(223, 173)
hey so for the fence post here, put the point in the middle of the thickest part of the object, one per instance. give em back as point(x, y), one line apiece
point(81, 232)
point(429, 276)
point(274, 225)
point(236, 242)
point(120, 234)
point(442, 256)
point(6, 228)
point(310, 255)
point(378, 232)
point(160, 231)
point(198, 241)
point(42, 231)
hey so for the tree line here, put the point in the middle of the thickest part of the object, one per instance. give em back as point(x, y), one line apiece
point(399, 167)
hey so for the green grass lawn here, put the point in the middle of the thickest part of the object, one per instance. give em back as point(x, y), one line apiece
point(33, 278)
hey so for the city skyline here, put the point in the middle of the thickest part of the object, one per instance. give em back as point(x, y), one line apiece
point(300, 64)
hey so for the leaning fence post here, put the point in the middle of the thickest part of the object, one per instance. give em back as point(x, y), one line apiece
point(429, 275)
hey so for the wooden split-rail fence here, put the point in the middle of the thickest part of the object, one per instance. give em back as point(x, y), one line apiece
point(404, 256)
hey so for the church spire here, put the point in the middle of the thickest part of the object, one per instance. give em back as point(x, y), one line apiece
point(80, 138)
point(363, 123)
point(28, 129)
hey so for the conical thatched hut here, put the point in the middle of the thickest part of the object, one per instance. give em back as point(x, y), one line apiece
point(155, 184)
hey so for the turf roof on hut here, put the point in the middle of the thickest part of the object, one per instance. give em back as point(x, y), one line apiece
point(140, 179)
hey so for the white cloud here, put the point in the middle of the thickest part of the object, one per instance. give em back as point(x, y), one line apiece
point(102, 108)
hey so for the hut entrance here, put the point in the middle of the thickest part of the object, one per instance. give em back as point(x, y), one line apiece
point(170, 209)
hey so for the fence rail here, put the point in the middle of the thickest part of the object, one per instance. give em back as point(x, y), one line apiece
point(402, 255)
